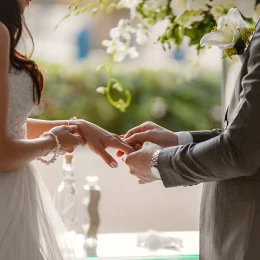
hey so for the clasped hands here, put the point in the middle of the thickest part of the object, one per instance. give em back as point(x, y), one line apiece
point(136, 147)
point(145, 139)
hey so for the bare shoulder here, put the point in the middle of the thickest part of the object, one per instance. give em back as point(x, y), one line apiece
point(4, 49)
point(4, 34)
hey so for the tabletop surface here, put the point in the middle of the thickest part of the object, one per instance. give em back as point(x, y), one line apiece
point(138, 246)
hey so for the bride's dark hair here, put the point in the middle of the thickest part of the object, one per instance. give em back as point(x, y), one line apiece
point(11, 17)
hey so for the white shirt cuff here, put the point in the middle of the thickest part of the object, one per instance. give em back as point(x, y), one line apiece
point(184, 138)
point(156, 173)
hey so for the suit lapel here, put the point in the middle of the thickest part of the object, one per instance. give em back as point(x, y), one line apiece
point(237, 87)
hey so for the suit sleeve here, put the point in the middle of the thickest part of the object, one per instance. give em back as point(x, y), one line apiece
point(201, 136)
point(233, 153)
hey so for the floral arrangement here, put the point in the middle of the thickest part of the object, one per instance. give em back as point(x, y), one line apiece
point(231, 34)
point(185, 18)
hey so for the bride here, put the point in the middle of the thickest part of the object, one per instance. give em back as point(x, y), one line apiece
point(30, 227)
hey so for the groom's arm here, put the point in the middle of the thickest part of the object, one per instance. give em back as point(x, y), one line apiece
point(197, 136)
point(233, 153)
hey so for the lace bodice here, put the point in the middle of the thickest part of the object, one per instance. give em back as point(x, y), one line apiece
point(20, 103)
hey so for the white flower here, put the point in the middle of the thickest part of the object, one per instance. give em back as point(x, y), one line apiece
point(123, 30)
point(113, 46)
point(101, 90)
point(228, 30)
point(156, 4)
point(119, 45)
point(179, 7)
point(189, 11)
point(141, 34)
point(187, 19)
point(220, 7)
point(131, 52)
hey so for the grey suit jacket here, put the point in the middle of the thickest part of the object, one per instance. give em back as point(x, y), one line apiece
point(221, 155)
point(227, 161)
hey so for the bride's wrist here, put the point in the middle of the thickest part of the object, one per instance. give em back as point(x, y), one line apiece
point(54, 149)
point(50, 144)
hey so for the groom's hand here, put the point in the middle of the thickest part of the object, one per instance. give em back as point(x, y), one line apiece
point(139, 162)
point(150, 132)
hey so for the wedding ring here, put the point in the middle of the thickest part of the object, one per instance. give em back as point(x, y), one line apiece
point(70, 131)
point(73, 118)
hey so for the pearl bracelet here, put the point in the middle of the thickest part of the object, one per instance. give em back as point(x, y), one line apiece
point(56, 151)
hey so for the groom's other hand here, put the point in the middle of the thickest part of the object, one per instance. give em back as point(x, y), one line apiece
point(139, 162)
point(150, 132)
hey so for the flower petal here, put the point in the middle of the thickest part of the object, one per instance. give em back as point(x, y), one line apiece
point(106, 43)
point(234, 19)
point(221, 23)
point(215, 38)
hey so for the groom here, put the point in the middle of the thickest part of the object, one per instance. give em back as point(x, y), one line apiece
point(227, 161)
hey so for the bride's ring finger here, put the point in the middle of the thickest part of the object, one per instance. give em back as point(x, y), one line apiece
point(141, 181)
point(124, 157)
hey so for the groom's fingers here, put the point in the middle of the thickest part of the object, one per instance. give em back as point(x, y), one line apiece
point(120, 153)
point(135, 130)
point(140, 129)
point(141, 181)
point(139, 138)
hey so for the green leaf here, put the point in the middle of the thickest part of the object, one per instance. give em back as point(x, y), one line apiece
point(64, 18)
point(102, 67)
point(111, 8)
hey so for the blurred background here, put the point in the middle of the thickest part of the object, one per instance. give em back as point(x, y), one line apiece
point(178, 89)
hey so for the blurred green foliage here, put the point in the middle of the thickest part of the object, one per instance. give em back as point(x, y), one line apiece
point(164, 97)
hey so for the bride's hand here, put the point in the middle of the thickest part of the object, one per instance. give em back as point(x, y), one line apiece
point(67, 139)
point(99, 139)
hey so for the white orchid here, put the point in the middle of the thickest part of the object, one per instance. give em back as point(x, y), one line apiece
point(142, 34)
point(179, 7)
point(113, 46)
point(156, 5)
point(189, 18)
point(189, 11)
point(122, 31)
point(131, 52)
point(228, 30)
point(231, 34)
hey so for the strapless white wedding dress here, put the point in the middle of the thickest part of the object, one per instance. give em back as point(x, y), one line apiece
point(30, 227)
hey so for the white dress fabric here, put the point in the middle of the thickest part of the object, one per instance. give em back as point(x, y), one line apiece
point(30, 227)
